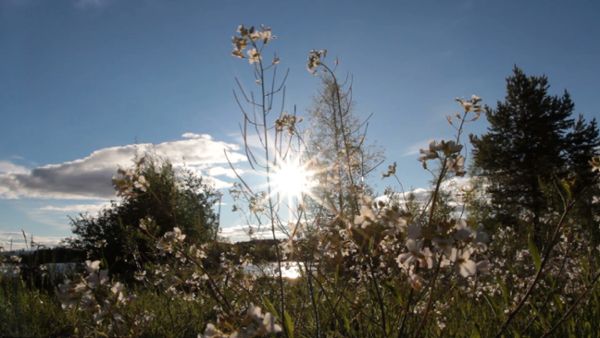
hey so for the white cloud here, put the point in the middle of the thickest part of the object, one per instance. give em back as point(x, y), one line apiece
point(216, 183)
point(222, 171)
point(194, 136)
point(91, 177)
point(92, 208)
point(414, 148)
point(7, 167)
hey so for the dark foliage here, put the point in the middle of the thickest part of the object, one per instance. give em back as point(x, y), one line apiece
point(169, 199)
point(52, 255)
point(533, 145)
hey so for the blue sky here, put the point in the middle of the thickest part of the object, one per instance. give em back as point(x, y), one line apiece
point(83, 80)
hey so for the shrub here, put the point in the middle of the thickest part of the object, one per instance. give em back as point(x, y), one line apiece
point(155, 198)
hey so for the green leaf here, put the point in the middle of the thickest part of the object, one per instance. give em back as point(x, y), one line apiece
point(270, 307)
point(535, 253)
point(289, 324)
point(475, 334)
point(505, 292)
point(588, 326)
point(347, 324)
point(566, 185)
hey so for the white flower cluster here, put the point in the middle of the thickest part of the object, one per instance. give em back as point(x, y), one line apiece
point(130, 182)
point(449, 245)
point(95, 293)
point(251, 36)
point(11, 266)
point(448, 152)
point(315, 59)
point(253, 324)
point(169, 239)
point(178, 274)
point(287, 122)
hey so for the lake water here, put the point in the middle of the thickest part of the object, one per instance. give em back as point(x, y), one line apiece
point(290, 270)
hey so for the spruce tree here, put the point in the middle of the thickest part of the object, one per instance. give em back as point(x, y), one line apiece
point(583, 143)
point(532, 142)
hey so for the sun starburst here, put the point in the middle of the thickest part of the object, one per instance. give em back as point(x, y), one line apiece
point(293, 179)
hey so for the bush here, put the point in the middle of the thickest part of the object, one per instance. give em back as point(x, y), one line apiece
point(155, 198)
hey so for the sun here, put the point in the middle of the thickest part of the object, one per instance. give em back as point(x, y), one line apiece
point(292, 179)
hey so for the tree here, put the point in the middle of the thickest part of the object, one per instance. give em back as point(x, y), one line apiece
point(583, 144)
point(532, 143)
point(337, 143)
point(155, 198)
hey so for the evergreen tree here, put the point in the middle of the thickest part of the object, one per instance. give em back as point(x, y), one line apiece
point(532, 142)
point(583, 143)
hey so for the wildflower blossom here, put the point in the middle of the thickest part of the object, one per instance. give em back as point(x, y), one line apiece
point(266, 34)
point(130, 182)
point(255, 35)
point(92, 266)
point(472, 104)
point(483, 266)
point(253, 56)
point(416, 254)
point(457, 165)
point(239, 43)
point(428, 154)
point(365, 218)
point(464, 265)
point(243, 31)
point(448, 149)
point(462, 230)
point(391, 170)
point(140, 183)
point(253, 324)
point(595, 164)
point(211, 331)
point(314, 59)
point(287, 121)
point(416, 281)
point(251, 36)
point(257, 202)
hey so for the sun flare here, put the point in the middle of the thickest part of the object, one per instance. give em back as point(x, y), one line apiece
point(292, 179)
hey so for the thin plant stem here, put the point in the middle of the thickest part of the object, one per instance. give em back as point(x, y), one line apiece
point(269, 190)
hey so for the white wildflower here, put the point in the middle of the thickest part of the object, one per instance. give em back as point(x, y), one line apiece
point(253, 56)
